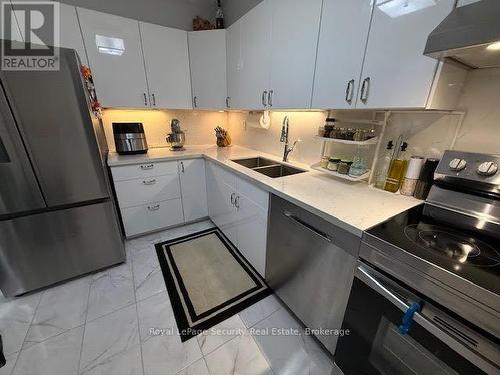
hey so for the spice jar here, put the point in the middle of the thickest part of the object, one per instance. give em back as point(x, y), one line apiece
point(333, 164)
point(344, 166)
point(359, 135)
point(324, 161)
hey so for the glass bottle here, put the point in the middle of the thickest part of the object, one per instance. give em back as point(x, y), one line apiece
point(219, 16)
point(384, 166)
point(359, 166)
point(397, 170)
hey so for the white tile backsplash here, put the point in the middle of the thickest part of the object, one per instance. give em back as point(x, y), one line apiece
point(198, 125)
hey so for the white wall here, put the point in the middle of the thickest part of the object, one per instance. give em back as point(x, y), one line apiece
point(173, 13)
point(481, 99)
point(198, 125)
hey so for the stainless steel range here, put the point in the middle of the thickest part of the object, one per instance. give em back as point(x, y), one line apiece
point(426, 293)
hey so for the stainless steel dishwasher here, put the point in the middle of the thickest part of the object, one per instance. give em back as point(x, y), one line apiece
point(310, 266)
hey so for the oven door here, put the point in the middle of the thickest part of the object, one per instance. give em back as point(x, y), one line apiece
point(392, 331)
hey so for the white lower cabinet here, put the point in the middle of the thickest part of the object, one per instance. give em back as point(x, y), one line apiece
point(158, 195)
point(152, 216)
point(242, 218)
point(193, 187)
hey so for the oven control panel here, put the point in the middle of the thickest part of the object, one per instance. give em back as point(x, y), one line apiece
point(471, 167)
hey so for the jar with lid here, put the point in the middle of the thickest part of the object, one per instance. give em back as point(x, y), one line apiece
point(333, 164)
point(329, 126)
point(344, 166)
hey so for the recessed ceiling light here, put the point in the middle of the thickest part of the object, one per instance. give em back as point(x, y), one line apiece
point(494, 46)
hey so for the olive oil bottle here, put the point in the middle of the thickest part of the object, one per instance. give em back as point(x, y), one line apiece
point(397, 170)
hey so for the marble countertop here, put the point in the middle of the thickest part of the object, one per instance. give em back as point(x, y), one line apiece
point(350, 205)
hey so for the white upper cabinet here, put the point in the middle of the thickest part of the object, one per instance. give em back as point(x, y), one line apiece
point(255, 34)
point(294, 35)
point(207, 57)
point(233, 65)
point(71, 36)
point(114, 51)
point(166, 59)
point(341, 48)
point(395, 72)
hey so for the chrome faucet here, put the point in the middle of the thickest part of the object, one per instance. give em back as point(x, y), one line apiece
point(284, 138)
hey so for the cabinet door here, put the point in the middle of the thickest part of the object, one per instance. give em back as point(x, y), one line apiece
point(252, 233)
point(256, 56)
point(207, 58)
point(295, 27)
point(395, 72)
point(166, 59)
point(114, 51)
point(234, 64)
point(220, 207)
point(71, 36)
point(341, 48)
point(193, 187)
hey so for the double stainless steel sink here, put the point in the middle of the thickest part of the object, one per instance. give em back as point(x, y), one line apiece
point(268, 167)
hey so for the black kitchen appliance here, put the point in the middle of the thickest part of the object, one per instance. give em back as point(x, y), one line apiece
point(426, 293)
point(129, 138)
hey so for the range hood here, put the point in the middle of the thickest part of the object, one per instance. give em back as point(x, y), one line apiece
point(470, 35)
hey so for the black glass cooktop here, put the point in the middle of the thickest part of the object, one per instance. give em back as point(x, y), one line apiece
point(449, 240)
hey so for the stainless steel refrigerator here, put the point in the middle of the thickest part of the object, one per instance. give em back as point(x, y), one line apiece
point(57, 214)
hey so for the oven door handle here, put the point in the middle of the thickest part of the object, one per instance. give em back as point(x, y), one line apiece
point(365, 274)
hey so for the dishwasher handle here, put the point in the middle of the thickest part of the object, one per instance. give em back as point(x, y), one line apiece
point(307, 226)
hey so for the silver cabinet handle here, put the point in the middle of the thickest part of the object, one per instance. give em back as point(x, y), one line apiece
point(145, 99)
point(270, 98)
point(195, 101)
point(264, 97)
point(182, 167)
point(349, 91)
point(155, 207)
point(310, 228)
point(154, 99)
point(237, 202)
point(365, 90)
point(147, 166)
point(149, 182)
point(232, 198)
point(228, 102)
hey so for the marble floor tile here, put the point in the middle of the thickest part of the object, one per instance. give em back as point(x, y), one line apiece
point(155, 312)
point(197, 368)
point(110, 290)
point(61, 308)
point(240, 356)
point(164, 353)
point(168, 355)
point(9, 366)
point(15, 318)
point(111, 343)
point(260, 310)
point(148, 278)
point(220, 334)
point(288, 350)
point(57, 355)
point(128, 362)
